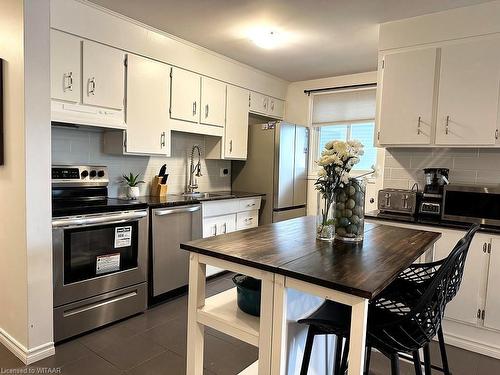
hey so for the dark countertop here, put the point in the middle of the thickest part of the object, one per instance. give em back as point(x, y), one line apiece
point(430, 223)
point(173, 200)
point(291, 249)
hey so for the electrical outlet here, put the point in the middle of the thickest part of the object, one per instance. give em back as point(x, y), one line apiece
point(224, 172)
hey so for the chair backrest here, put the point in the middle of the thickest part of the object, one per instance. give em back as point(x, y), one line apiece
point(419, 321)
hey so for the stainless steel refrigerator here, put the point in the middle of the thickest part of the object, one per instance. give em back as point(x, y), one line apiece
point(277, 166)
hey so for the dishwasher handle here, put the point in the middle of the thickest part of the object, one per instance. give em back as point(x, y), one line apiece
point(170, 211)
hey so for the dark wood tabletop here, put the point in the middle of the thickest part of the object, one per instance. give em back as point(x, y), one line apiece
point(291, 249)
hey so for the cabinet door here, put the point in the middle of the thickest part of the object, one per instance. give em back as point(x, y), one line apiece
point(185, 95)
point(492, 306)
point(407, 98)
point(466, 303)
point(276, 108)
point(213, 102)
point(236, 129)
point(210, 227)
point(148, 95)
point(259, 103)
point(468, 93)
point(65, 66)
point(227, 224)
point(103, 76)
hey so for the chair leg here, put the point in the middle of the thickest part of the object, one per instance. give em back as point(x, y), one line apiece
point(442, 349)
point(416, 363)
point(307, 350)
point(368, 356)
point(395, 364)
point(345, 354)
point(427, 359)
point(338, 355)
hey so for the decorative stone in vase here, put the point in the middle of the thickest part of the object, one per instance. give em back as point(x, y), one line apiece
point(350, 210)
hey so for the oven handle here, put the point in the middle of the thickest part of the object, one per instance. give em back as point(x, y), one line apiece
point(93, 306)
point(87, 221)
point(176, 210)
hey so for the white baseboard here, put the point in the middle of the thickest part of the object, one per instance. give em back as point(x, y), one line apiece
point(472, 345)
point(27, 356)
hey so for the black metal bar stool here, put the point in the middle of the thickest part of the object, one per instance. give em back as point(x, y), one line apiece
point(403, 318)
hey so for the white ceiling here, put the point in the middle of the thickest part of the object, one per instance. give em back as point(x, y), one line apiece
point(326, 37)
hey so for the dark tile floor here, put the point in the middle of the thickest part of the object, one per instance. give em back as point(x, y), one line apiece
point(155, 343)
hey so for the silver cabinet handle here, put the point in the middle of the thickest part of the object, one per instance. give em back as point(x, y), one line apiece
point(91, 86)
point(272, 105)
point(249, 219)
point(447, 128)
point(162, 139)
point(418, 125)
point(90, 220)
point(215, 229)
point(225, 228)
point(171, 211)
point(206, 111)
point(68, 77)
point(265, 103)
point(250, 204)
point(194, 108)
point(230, 146)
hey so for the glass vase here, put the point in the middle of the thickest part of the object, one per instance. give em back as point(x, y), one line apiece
point(350, 210)
point(325, 222)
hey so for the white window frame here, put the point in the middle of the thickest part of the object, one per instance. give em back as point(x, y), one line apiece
point(314, 149)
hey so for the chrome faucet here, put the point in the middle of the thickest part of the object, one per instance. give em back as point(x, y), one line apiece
point(194, 170)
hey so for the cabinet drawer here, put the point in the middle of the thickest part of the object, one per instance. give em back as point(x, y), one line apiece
point(249, 204)
point(247, 219)
point(221, 207)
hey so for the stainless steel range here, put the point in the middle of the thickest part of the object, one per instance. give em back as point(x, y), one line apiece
point(99, 252)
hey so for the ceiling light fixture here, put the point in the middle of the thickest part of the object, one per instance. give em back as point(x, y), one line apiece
point(266, 38)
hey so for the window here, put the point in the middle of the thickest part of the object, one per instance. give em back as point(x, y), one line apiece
point(363, 132)
point(345, 115)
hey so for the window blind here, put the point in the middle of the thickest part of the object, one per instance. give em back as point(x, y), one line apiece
point(343, 106)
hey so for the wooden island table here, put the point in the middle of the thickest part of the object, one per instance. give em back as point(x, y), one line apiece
point(287, 255)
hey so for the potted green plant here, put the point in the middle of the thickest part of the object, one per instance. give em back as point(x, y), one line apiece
point(132, 185)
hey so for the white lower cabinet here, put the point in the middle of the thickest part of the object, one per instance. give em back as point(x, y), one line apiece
point(472, 318)
point(229, 215)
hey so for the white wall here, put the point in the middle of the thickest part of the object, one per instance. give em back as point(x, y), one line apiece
point(84, 146)
point(25, 229)
point(96, 23)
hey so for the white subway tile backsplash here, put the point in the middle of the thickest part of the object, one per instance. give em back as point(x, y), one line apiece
point(403, 166)
point(84, 146)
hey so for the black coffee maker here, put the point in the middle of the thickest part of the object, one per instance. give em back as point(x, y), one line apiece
point(432, 200)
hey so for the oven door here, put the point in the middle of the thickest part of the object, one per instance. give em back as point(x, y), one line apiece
point(96, 254)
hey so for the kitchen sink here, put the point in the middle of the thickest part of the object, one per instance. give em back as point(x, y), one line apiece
point(206, 196)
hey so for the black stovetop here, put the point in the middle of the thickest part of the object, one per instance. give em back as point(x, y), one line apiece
point(71, 208)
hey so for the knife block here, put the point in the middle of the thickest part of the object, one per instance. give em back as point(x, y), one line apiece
point(157, 188)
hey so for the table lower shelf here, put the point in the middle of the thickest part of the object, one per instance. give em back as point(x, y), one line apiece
point(253, 369)
point(221, 313)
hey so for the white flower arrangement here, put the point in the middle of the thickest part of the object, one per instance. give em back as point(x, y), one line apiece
point(336, 162)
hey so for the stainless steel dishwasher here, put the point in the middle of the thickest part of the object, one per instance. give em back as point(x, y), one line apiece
point(171, 227)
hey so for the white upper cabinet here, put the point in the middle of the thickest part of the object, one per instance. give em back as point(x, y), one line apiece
point(213, 102)
point(148, 95)
point(468, 93)
point(185, 95)
point(259, 103)
point(236, 129)
point(266, 105)
point(65, 66)
point(103, 76)
point(276, 108)
point(408, 96)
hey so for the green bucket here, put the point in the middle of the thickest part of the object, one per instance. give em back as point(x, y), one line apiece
point(248, 292)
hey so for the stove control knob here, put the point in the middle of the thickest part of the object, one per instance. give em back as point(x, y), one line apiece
point(84, 174)
point(100, 174)
point(93, 173)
